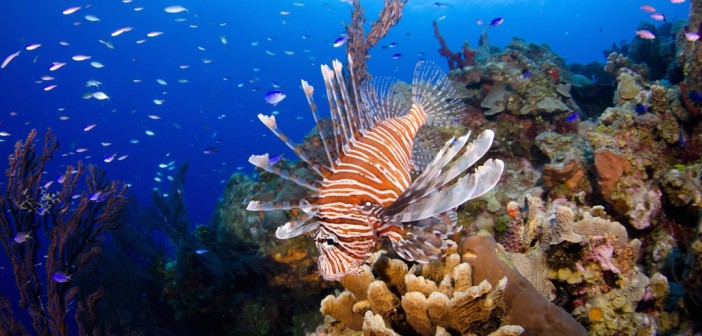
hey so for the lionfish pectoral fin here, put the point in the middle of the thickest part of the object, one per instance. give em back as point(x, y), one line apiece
point(426, 144)
point(468, 187)
point(295, 228)
point(451, 161)
point(423, 240)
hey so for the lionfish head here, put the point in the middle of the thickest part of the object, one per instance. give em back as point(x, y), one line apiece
point(335, 259)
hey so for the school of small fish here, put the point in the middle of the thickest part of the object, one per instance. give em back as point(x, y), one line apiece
point(114, 39)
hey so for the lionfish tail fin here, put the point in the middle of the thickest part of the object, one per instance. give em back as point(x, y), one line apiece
point(426, 239)
point(433, 192)
point(433, 91)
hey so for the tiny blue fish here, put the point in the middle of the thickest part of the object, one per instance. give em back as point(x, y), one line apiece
point(340, 41)
point(201, 251)
point(100, 196)
point(681, 138)
point(61, 178)
point(526, 74)
point(274, 97)
point(60, 277)
point(396, 56)
point(641, 109)
point(696, 96)
point(573, 116)
point(22, 237)
point(109, 158)
point(441, 5)
point(493, 23)
point(274, 159)
point(496, 22)
point(210, 150)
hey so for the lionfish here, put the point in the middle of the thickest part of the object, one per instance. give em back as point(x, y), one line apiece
point(365, 192)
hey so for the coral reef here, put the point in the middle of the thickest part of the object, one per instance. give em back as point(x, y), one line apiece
point(359, 44)
point(459, 59)
point(436, 298)
point(589, 265)
point(69, 229)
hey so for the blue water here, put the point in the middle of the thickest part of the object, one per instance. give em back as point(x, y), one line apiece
point(217, 106)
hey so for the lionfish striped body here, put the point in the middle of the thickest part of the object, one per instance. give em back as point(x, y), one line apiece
point(365, 191)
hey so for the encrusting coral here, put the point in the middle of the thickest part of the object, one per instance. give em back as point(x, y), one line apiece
point(590, 260)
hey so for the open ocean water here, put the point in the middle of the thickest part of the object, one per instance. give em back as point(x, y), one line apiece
point(138, 87)
point(193, 90)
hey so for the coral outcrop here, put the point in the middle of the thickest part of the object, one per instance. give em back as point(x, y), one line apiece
point(433, 299)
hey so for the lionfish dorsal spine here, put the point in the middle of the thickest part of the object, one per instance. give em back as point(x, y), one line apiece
point(364, 117)
point(309, 93)
point(262, 161)
point(433, 91)
point(350, 111)
point(272, 125)
point(341, 132)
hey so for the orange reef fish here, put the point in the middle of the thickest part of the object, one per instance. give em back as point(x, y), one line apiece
point(364, 189)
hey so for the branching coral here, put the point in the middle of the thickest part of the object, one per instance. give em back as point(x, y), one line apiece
point(74, 227)
point(359, 44)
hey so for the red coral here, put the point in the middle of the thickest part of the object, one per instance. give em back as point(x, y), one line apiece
point(455, 60)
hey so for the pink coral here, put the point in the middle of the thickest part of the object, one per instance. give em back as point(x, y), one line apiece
point(647, 205)
point(602, 251)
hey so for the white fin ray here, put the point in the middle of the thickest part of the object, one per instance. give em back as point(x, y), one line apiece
point(296, 228)
point(472, 153)
point(350, 111)
point(381, 101)
point(262, 161)
point(341, 130)
point(482, 180)
point(364, 116)
point(433, 91)
point(272, 125)
point(427, 181)
point(309, 92)
point(302, 204)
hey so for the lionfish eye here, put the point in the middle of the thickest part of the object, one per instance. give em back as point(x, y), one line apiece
point(330, 241)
